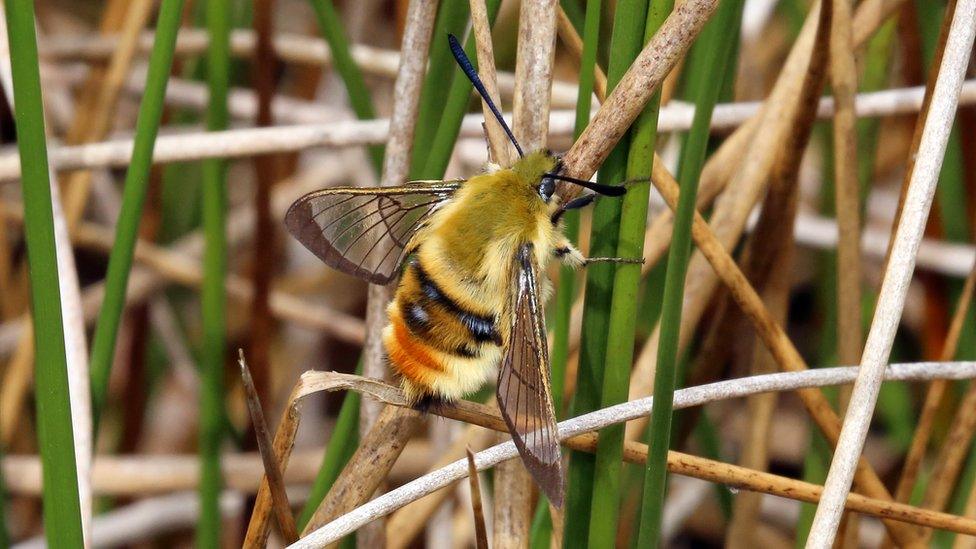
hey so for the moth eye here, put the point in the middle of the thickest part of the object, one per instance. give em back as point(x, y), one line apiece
point(546, 188)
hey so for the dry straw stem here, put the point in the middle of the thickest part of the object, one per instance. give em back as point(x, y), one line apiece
point(501, 150)
point(635, 89)
point(535, 54)
point(574, 43)
point(768, 262)
point(272, 472)
point(96, 109)
point(481, 534)
point(774, 338)
point(348, 490)
point(732, 208)
point(891, 299)
point(583, 425)
point(843, 81)
point(407, 523)
point(175, 265)
point(186, 146)
point(147, 475)
point(934, 394)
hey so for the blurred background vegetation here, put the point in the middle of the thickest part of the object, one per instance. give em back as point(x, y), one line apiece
point(213, 270)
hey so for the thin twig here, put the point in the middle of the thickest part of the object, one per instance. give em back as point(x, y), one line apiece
point(635, 88)
point(686, 465)
point(774, 338)
point(236, 143)
point(501, 150)
point(481, 533)
point(894, 288)
point(276, 482)
point(934, 394)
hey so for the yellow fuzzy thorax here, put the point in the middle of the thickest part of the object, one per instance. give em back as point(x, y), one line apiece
point(467, 250)
point(476, 235)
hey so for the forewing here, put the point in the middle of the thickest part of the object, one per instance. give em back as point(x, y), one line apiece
point(365, 231)
point(524, 394)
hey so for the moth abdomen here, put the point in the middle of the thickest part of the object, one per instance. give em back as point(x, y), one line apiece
point(440, 347)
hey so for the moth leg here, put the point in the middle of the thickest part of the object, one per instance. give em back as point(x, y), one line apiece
point(574, 204)
point(638, 261)
point(568, 254)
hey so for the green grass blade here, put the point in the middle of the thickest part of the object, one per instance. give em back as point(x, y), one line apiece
point(62, 515)
point(625, 43)
point(566, 289)
point(218, 17)
point(133, 198)
point(710, 56)
point(342, 444)
point(452, 17)
point(331, 27)
point(455, 106)
point(623, 305)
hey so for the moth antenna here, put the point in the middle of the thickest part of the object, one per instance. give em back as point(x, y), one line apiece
point(468, 68)
point(605, 190)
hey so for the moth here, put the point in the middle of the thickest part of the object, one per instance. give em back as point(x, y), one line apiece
point(470, 257)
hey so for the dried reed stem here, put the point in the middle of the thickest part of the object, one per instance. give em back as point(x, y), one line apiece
point(535, 54)
point(396, 167)
point(934, 394)
point(236, 143)
point(898, 274)
point(774, 338)
point(627, 411)
point(276, 482)
point(635, 89)
point(501, 150)
point(481, 533)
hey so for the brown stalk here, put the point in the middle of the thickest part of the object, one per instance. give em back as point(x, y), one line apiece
point(678, 463)
point(396, 165)
point(406, 524)
point(276, 483)
point(732, 207)
point(502, 152)
point(481, 533)
point(383, 427)
point(768, 260)
point(512, 513)
point(843, 81)
point(776, 340)
point(934, 394)
point(369, 465)
point(633, 91)
point(187, 271)
point(574, 43)
point(935, 391)
point(96, 109)
point(265, 250)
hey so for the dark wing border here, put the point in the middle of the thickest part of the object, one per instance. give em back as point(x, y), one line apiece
point(524, 391)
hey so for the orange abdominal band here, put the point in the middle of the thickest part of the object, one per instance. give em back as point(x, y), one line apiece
point(410, 356)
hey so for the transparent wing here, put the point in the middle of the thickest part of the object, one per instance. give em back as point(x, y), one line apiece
point(365, 231)
point(524, 393)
